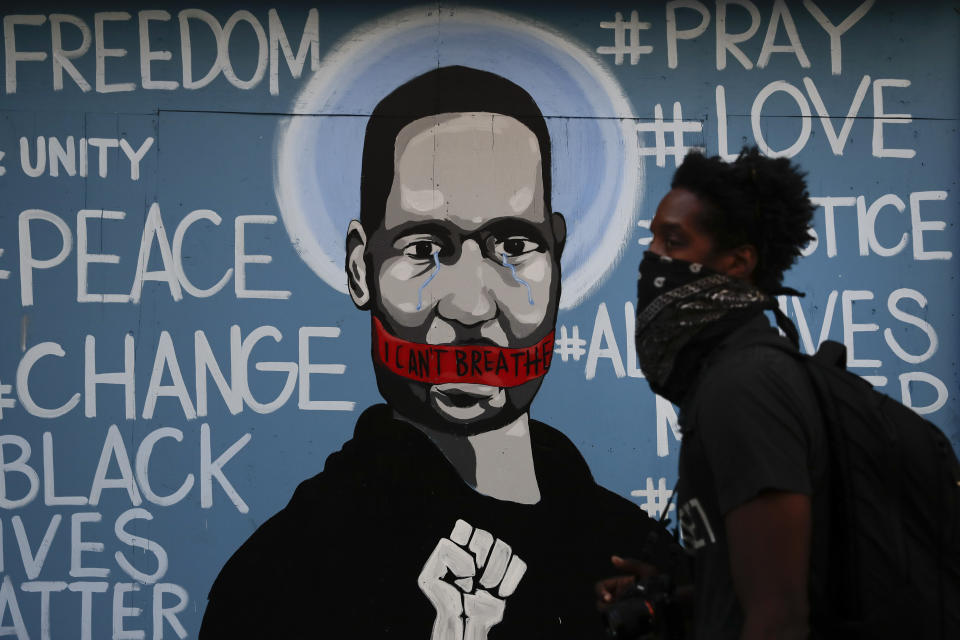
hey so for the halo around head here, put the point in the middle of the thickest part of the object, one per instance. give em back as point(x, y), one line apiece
point(597, 175)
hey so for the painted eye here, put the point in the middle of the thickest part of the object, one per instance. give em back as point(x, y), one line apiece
point(421, 249)
point(515, 246)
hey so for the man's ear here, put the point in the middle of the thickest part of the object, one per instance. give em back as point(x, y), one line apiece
point(559, 226)
point(356, 266)
point(741, 262)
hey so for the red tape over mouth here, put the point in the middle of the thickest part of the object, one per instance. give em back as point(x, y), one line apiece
point(478, 364)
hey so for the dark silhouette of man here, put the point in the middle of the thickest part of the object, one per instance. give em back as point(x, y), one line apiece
point(753, 460)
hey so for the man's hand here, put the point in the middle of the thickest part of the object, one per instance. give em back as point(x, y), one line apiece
point(466, 607)
point(609, 590)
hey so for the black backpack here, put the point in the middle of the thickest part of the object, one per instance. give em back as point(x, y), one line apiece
point(894, 557)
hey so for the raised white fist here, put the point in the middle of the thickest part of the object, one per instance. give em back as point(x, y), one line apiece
point(467, 607)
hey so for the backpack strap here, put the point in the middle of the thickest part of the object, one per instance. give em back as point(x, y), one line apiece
point(832, 354)
point(786, 325)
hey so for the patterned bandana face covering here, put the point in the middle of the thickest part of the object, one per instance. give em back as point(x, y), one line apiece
point(676, 300)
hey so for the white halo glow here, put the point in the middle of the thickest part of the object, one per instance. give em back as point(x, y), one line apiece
point(597, 173)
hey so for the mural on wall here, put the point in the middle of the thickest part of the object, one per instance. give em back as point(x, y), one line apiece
point(228, 236)
point(456, 254)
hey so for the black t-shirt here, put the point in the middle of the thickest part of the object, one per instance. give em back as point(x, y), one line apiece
point(750, 423)
point(347, 556)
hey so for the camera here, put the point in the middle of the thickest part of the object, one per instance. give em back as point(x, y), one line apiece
point(648, 611)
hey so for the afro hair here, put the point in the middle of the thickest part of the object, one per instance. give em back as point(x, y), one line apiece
point(753, 200)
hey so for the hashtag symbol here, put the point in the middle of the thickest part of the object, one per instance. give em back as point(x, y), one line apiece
point(5, 403)
point(677, 128)
point(656, 497)
point(570, 345)
point(620, 46)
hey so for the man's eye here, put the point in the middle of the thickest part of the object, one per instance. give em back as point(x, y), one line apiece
point(515, 246)
point(675, 242)
point(421, 249)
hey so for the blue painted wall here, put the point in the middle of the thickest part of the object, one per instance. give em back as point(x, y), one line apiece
point(871, 113)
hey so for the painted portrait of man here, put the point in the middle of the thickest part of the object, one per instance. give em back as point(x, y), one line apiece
point(451, 513)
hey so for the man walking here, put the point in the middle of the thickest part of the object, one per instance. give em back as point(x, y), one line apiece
point(753, 459)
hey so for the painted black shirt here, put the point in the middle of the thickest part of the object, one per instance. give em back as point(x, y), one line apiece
point(750, 423)
point(346, 557)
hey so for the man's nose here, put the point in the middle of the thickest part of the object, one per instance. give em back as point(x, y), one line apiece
point(656, 246)
point(466, 296)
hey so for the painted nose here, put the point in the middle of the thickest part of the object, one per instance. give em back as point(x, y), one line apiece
point(467, 298)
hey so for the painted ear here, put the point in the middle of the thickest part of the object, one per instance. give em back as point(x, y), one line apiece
point(559, 226)
point(356, 266)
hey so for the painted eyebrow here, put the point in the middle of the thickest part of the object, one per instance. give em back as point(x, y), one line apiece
point(430, 228)
point(502, 227)
point(515, 227)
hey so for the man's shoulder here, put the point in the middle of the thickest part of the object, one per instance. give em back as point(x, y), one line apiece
point(756, 381)
point(615, 523)
point(265, 586)
point(293, 522)
point(751, 361)
point(298, 530)
point(562, 457)
point(308, 535)
point(555, 451)
point(543, 435)
point(756, 377)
